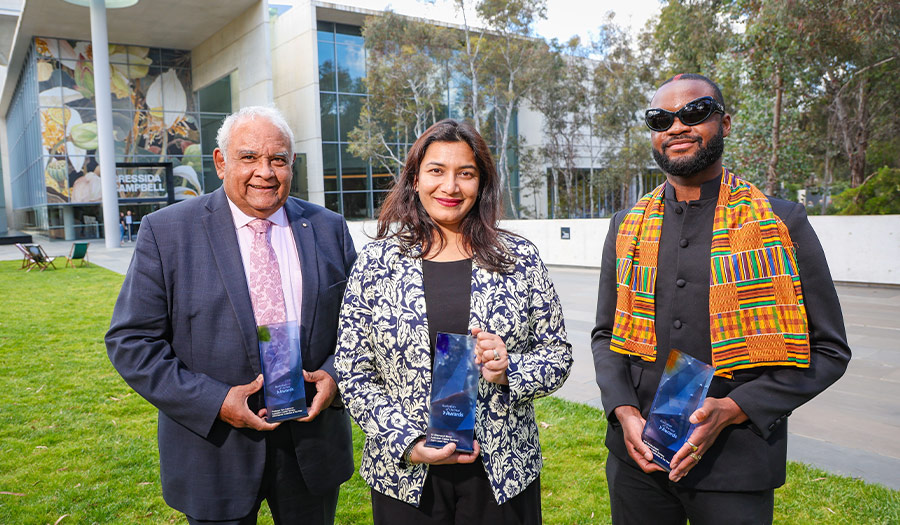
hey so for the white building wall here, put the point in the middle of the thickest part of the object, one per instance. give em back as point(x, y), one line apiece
point(242, 46)
point(296, 87)
point(859, 249)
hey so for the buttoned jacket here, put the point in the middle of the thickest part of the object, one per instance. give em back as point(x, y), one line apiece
point(749, 456)
point(183, 333)
point(383, 361)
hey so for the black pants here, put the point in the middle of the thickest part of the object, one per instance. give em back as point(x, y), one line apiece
point(637, 498)
point(459, 495)
point(284, 489)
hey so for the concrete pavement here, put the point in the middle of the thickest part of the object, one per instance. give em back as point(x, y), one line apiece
point(851, 429)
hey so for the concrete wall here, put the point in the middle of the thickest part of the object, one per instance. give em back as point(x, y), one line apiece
point(296, 87)
point(239, 46)
point(859, 249)
point(6, 215)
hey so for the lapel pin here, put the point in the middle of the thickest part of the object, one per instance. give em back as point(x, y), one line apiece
point(304, 224)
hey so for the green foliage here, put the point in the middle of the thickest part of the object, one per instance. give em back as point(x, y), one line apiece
point(878, 195)
point(622, 82)
point(406, 63)
point(691, 35)
point(77, 445)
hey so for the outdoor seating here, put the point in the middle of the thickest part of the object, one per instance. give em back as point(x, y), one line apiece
point(78, 252)
point(26, 257)
point(39, 258)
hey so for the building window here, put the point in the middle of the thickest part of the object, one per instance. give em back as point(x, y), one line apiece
point(214, 102)
point(342, 70)
point(355, 187)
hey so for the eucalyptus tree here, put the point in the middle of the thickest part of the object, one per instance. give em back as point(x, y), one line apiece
point(514, 62)
point(622, 84)
point(407, 64)
point(561, 97)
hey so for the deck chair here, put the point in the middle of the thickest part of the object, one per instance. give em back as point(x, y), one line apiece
point(39, 258)
point(78, 252)
point(26, 257)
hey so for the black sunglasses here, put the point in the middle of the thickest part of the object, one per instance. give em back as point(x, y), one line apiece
point(693, 113)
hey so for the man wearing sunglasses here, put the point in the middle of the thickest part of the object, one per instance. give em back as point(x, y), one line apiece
point(708, 265)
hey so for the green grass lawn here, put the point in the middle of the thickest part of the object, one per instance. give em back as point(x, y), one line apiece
point(78, 446)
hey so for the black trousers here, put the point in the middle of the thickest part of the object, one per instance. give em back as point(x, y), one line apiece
point(459, 495)
point(284, 489)
point(637, 498)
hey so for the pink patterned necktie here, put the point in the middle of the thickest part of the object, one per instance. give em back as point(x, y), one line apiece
point(266, 292)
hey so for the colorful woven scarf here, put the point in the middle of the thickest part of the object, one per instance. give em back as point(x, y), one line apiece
point(756, 311)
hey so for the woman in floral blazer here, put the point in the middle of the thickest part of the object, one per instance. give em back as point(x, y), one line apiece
point(441, 213)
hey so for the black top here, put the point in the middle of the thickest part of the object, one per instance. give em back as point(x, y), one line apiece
point(448, 292)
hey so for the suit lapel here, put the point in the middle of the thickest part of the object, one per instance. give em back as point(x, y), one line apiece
point(305, 239)
point(223, 243)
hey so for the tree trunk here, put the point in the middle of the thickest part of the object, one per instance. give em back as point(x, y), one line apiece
point(772, 170)
point(826, 182)
point(858, 156)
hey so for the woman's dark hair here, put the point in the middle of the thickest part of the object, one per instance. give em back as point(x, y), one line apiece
point(403, 216)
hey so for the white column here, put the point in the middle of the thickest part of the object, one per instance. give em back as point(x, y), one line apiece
point(69, 223)
point(106, 145)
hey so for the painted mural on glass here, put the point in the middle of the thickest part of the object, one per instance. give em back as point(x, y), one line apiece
point(154, 117)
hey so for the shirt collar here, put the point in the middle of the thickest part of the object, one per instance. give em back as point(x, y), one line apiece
point(241, 219)
point(708, 190)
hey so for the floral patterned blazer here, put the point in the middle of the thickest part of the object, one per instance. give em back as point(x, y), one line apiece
point(383, 363)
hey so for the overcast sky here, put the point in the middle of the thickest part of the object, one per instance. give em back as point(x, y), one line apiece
point(565, 18)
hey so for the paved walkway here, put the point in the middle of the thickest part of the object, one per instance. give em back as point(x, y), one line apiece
point(851, 429)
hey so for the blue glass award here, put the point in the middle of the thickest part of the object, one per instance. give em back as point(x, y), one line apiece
point(282, 368)
point(454, 389)
point(681, 391)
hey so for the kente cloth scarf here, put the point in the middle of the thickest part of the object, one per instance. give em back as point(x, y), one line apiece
point(756, 311)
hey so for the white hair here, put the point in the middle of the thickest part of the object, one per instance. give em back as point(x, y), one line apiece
point(250, 113)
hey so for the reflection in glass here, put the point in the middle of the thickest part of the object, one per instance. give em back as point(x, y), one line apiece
point(325, 31)
point(351, 68)
point(348, 34)
point(328, 105)
point(381, 179)
point(216, 97)
point(333, 202)
point(209, 126)
point(349, 107)
point(354, 175)
point(378, 198)
point(211, 181)
point(330, 166)
point(326, 67)
point(175, 58)
point(356, 205)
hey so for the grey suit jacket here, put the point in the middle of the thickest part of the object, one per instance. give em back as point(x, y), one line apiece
point(183, 332)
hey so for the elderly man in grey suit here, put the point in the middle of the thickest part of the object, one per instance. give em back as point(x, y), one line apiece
point(183, 334)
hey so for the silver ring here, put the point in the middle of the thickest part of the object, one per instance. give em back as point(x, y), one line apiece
point(496, 355)
point(693, 446)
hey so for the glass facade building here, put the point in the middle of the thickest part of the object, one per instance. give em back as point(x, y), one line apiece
point(355, 187)
point(52, 132)
point(351, 187)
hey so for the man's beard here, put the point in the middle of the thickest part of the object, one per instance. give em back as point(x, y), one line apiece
point(704, 158)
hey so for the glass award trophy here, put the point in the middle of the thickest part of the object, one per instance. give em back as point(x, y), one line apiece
point(454, 389)
point(282, 367)
point(681, 391)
